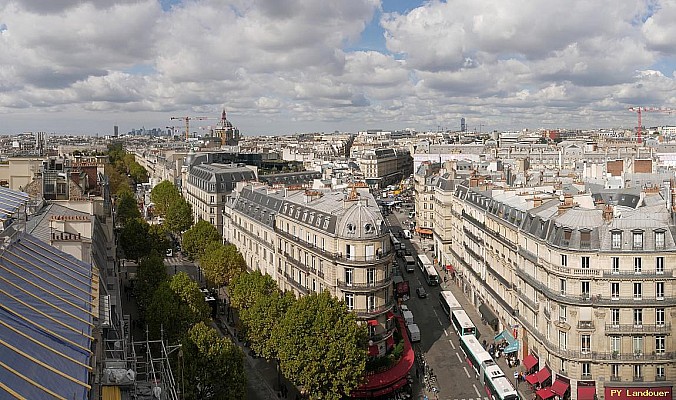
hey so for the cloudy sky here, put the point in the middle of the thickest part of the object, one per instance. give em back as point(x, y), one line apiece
point(286, 66)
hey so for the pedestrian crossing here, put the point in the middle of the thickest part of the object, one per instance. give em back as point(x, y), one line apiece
point(173, 261)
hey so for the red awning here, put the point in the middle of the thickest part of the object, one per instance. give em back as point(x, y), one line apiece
point(530, 361)
point(560, 387)
point(449, 268)
point(424, 231)
point(390, 315)
point(373, 350)
point(545, 393)
point(543, 374)
point(586, 392)
point(372, 322)
point(532, 379)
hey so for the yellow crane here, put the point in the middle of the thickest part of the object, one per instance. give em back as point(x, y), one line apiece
point(187, 123)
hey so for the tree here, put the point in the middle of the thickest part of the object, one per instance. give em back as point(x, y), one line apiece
point(320, 346)
point(213, 366)
point(134, 239)
point(158, 238)
point(197, 238)
point(248, 288)
point(162, 195)
point(179, 216)
point(150, 274)
point(221, 263)
point(116, 181)
point(138, 173)
point(189, 294)
point(127, 208)
point(261, 319)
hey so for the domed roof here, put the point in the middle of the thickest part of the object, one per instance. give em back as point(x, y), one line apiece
point(360, 222)
point(223, 123)
point(188, 160)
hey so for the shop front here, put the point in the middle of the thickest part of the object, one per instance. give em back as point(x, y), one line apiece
point(638, 393)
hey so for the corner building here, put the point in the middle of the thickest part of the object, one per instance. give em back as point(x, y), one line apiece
point(317, 240)
point(586, 280)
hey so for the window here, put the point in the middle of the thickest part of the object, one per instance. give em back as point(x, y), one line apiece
point(659, 240)
point(616, 240)
point(638, 316)
point(615, 370)
point(659, 373)
point(659, 290)
point(615, 316)
point(659, 344)
point(585, 262)
point(637, 265)
point(659, 265)
point(349, 301)
point(348, 276)
point(638, 290)
point(563, 340)
point(585, 239)
point(564, 260)
point(638, 240)
point(586, 369)
point(615, 344)
point(562, 286)
point(615, 265)
point(585, 289)
point(614, 290)
point(585, 343)
point(563, 313)
point(371, 302)
point(371, 276)
point(659, 316)
point(637, 344)
point(637, 372)
point(349, 251)
point(314, 285)
point(567, 233)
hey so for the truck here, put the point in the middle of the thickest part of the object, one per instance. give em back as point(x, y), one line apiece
point(413, 332)
point(408, 317)
point(401, 287)
point(410, 263)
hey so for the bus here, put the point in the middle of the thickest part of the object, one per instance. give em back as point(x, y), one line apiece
point(431, 275)
point(462, 323)
point(475, 353)
point(448, 302)
point(395, 242)
point(500, 389)
point(410, 263)
point(422, 261)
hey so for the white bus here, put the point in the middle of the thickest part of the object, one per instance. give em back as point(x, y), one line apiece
point(462, 323)
point(410, 263)
point(422, 261)
point(448, 302)
point(501, 389)
point(475, 353)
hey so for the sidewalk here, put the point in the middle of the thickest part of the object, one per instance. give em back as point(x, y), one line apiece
point(526, 392)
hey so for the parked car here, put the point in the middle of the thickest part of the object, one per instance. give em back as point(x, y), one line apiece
point(420, 291)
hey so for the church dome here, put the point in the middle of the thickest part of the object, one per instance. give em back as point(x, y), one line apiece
point(360, 222)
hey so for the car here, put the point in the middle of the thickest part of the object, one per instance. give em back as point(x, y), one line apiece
point(407, 252)
point(420, 291)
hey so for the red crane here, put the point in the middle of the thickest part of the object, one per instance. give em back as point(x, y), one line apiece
point(640, 110)
point(187, 123)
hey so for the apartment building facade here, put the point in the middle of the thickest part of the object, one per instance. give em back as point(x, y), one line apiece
point(318, 240)
point(585, 280)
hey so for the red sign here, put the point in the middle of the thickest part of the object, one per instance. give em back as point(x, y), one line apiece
point(638, 393)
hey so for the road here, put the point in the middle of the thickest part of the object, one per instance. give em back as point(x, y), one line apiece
point(439, 343)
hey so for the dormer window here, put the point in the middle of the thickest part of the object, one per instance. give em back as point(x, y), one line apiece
point(638, 240)
point(369, 228)
point(351, 229)
point(659, 239)
point(616, 240)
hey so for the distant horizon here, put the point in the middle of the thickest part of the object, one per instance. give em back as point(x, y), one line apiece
point(75, 67)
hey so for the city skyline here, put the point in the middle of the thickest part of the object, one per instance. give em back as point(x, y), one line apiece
point(281, 67)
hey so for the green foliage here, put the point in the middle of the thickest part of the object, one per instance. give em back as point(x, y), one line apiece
point(117, 181)
point(158, 238)
point(179, 216)
point(189, 294)
point(261, 319)
point(212, 365)
point(150, 274)
point(221, 263)
point(126, 206)
point(138, 173)
point(320, 346)
point(134, 239)
point(163, 195)
point(246, 289)
point(197, 238)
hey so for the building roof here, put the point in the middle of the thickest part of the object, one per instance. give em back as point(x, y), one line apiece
point(38, 224)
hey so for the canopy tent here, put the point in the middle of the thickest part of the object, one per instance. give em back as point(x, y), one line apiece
point(543, 374)
point(560, 387)
point(545, 394)
point(532, 378)
point(530, 361)
point(512, 344)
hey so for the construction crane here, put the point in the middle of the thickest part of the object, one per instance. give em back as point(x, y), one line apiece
point(187, 123)
point(640, 111)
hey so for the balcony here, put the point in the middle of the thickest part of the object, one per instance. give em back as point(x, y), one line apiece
point(472, 236)
point(585, 325)
point(646, 329)
point(660, 378)
point(359, 260)
point(366, 313)
point(527, 301)
point(295, 284)
point(296, 263)
point(615, 378)
point(645, 273)
point(637, 379)
point(367, 286)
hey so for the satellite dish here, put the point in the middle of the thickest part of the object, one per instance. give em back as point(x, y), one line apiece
point(562, 198)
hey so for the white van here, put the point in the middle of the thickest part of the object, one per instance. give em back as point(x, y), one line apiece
point(408, 317)
point(413, 332)
point(407, 234)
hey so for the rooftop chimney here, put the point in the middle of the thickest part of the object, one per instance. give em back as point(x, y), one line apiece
point(608, 213)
